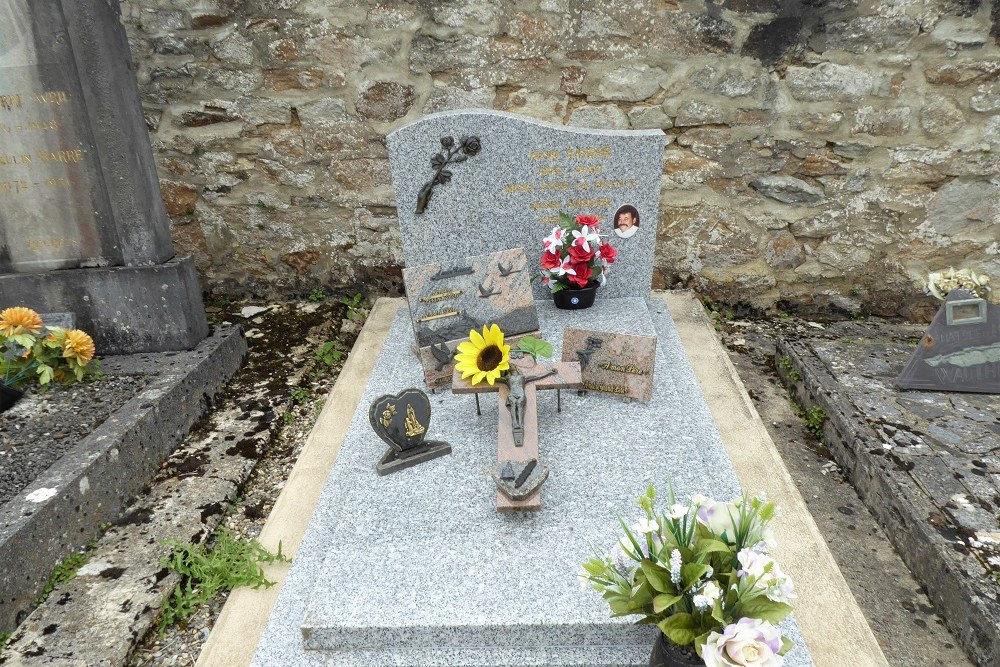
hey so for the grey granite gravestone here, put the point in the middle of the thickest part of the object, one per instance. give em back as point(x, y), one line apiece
point(441, 578)
point(508, 190)
point(82, 224)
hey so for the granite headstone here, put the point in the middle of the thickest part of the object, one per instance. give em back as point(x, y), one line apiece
point(447, 301)
point(507, 192)
point(78, 183)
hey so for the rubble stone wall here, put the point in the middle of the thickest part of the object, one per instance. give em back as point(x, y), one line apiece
point(822, 153)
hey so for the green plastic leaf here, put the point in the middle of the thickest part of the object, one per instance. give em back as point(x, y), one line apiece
point(658, 578)
point(664, 601)
point(708, 546)
point(679, 628)
point(536, 347)
point(691, 573)
point(44, 374)
point(786, 646)
point(765, 609)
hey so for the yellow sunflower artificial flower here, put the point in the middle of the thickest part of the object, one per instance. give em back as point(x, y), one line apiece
point(483, 356)
point(79, 345)
point(20, 320)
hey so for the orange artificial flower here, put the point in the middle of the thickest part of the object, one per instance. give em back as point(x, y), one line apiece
point(78, 345)
point(20, 320)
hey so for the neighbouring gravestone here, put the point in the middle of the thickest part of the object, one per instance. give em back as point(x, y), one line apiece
point(82, 225)
point(447, 301)
point(469, 181)
point(960, 351)
point(614, 363)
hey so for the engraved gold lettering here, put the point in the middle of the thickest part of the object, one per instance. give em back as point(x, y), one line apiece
point(438, 315)
point(588, 153)
point(52, 97)
point(11, 101)
point(631, 369)
point(66, 156)
point(57, 242)
point(606, 388)
point(440, 296)
point(514, 188)
point(544, 155)
point(10, 160)
point(585, 169)
point(544, 204)
point(550, 171)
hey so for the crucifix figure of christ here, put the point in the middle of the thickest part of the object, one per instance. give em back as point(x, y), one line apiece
point(518, 472)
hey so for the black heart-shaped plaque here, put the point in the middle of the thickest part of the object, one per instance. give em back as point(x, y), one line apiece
point(401, 420)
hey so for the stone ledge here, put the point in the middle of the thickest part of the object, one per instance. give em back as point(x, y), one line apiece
point(918, 527)
point(96, 479)
point(127, 309)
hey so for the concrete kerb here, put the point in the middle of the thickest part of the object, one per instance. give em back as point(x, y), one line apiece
point(239, 627)
point(824, 596)
point(92, 482)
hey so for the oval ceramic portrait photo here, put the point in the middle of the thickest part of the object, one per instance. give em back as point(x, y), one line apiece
point(626, 221)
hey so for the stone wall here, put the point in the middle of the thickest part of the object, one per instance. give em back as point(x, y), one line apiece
point(821, 154)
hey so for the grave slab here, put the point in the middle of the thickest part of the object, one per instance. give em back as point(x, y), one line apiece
point(926, 463)
point(509, 192)
point(419, 569)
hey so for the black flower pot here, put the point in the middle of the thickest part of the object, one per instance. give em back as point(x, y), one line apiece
point(8, 397)
point(576, 299)
point(666, 654)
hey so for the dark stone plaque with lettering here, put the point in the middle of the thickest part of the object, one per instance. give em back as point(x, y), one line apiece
point(963, 355)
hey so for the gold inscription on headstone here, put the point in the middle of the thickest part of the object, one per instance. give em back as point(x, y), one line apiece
point(631, 369)
point(438, 315)
point(11, 160)
point(64, 242)
point(11, 101)
point(440, 296)
point(52, 97)
point(606, 388)
point(66, 157)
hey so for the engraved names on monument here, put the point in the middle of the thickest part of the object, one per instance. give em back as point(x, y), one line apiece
point(78, 185)
point(523, 174)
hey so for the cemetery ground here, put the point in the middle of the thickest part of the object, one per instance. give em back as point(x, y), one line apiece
point(236, 461)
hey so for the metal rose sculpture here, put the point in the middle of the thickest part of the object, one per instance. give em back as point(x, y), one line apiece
point(453, 153)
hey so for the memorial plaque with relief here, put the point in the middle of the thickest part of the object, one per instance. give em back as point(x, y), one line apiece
point(448, 300)
point(53, 206)
point(508, 190)
point(960, 351)
point(612, 363)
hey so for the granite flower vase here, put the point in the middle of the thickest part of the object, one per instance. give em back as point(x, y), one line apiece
point(666, 654)
point(576, 298)
point(8, 397)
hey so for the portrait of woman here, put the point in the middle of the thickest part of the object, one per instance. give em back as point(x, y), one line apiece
point(626, 221)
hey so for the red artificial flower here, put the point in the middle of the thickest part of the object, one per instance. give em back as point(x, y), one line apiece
point(578, 255)
point(550, 260)
point(589, 220)
point(608, 253)
point(583, 274)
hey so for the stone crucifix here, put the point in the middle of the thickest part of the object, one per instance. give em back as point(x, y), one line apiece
point(518, 472)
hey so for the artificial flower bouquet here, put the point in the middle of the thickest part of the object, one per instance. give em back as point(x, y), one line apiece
point(940, 283)
point(700, 572)
point(574, 255)
point(33, 352)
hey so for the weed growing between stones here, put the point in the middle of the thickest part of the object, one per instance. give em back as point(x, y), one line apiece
point(64, 571)
point(317, 295)
point(786, 365)
point(229, 564)
point(815, 418)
